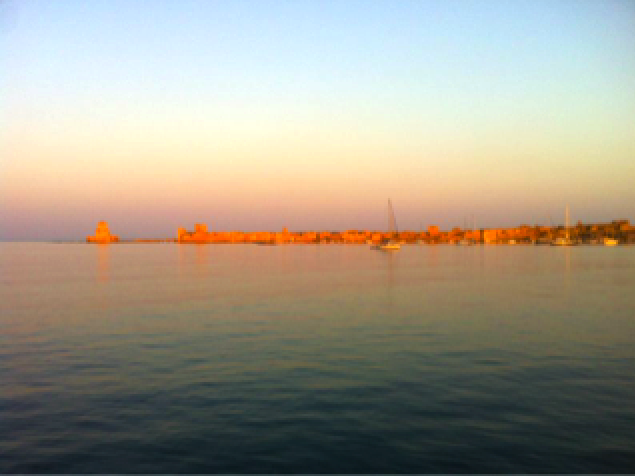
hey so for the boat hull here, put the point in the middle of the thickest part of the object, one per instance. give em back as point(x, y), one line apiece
point(387, 247)
point(563, 243)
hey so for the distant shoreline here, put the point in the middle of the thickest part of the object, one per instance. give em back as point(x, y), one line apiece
point(615, 232)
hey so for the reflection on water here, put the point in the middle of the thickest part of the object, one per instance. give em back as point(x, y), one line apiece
point(103, 261)
point(202, 258)
point(567, 274)
point(202, 358)
point(389, 258)
point(195, 259)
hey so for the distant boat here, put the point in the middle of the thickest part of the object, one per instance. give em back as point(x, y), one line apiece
point(566, 241)
point(562, 242)
point(390, 244)
point(610, 242)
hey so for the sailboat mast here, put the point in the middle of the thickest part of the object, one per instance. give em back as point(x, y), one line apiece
point(391, 218)
point(566, 226)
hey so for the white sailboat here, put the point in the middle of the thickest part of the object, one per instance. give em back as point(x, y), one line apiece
point(566, 241)
point(391, 244)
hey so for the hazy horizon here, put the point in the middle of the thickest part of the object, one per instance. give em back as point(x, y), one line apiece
point(310, 115)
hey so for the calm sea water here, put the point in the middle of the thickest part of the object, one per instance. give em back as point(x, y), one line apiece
point(244, 358)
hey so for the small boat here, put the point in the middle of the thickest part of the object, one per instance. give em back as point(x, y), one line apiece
point(610, 242)
point(562, 242)
point(390, 244)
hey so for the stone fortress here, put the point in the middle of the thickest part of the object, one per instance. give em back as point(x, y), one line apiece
point(102, 234)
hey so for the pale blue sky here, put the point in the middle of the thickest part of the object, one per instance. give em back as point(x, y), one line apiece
point(246, 115)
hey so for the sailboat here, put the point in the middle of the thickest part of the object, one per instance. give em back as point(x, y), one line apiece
point(391, 244)
point(566, 241)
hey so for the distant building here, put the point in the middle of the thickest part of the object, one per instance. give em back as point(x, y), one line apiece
point(491, 236)
point(102, 234)
point(199, 235)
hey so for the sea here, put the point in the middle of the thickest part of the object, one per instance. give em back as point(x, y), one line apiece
point(167, 358)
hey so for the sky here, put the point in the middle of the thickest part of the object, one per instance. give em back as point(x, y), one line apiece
point(259, 115)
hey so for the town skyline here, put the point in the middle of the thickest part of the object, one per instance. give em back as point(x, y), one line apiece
point(615, 232)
